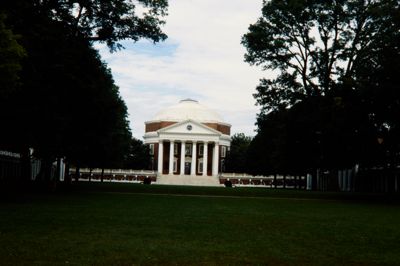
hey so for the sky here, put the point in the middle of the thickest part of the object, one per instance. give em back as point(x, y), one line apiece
point(202, 59)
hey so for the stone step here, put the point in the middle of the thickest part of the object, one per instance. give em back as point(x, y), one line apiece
point(186, 180)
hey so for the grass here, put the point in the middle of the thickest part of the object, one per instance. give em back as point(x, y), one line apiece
point(128, 224)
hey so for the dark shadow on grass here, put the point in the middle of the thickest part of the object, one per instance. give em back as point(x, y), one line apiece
point(235, 192)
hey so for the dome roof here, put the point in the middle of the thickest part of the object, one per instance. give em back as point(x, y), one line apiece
point(188, 109)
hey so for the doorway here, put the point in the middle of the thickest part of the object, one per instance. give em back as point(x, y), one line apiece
point(187, 168)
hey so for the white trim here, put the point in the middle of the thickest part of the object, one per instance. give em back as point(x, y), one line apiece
point(177, 121)
point(183, 148)
point(160, 157)
point(215, 159)
point(205, 159)
point(211, 136)
point(194, 154)
point(171, 158)
point(211, 130)
point(188, 137)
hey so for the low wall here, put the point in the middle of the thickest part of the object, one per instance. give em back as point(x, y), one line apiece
point(236, 179)
point(113, 175)
point(280, 181)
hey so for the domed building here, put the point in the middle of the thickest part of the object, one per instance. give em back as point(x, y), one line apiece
point(187, 140)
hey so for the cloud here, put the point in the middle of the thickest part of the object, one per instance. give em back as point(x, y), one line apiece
point(201, 59)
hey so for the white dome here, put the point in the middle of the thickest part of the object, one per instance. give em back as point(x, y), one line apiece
point(188, 109)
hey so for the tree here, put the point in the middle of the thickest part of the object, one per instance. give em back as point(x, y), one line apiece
point(75, 111)
point(139, 155)
point(11, 54)
point(67, 104)
point(313, 44)
point(96, 20)
point(379, 79)
point(236, 161)
point(334, 85)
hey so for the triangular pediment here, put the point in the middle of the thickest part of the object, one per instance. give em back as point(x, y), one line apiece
point(189, 127)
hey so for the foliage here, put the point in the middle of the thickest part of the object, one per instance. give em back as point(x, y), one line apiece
point(11, 54)
point(335, 92)
point(102, 21)
point(319, 132)
point(67, 104)
point(379, 81)
point(139, 155)
point(313, 44)
point(236, 161)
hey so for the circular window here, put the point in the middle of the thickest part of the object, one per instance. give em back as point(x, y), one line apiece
point(189, 127)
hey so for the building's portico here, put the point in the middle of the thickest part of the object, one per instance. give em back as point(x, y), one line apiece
point(181, 151)
point(184, 144)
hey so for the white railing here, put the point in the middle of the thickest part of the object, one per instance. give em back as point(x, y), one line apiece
point(113, 171)
point(245, 176)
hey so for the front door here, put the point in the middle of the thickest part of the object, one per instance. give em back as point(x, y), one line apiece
point(187, 168)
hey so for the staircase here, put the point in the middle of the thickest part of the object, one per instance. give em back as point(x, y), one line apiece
point(186, 180)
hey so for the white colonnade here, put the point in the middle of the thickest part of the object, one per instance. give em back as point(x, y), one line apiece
point(194, 157)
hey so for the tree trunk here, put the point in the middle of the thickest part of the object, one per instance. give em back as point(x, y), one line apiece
point(275, 180)
point(102, 174)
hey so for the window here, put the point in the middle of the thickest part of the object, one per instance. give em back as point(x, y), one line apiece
point(201, 149)
point(151, 149)
point(223, 151)
point(175, 148)
point(188, 149)
point(222, 165)
point(200, 166)
point(175, 165)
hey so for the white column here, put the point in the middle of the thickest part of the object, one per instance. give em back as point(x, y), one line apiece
point(183, 147)
point(160, 157)
point(194, 153)
point(171, 157)
point(309, 182)
point(215, 159)
point(205, 158)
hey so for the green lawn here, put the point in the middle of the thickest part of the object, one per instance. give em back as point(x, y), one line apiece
point(127, 224)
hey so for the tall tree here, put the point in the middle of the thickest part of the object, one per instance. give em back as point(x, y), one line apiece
point(314, 44)
point(335, 88)
point(236, 161)
point(96, 20)
point(68, 104)
point(139, 155)
point(11, 56)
